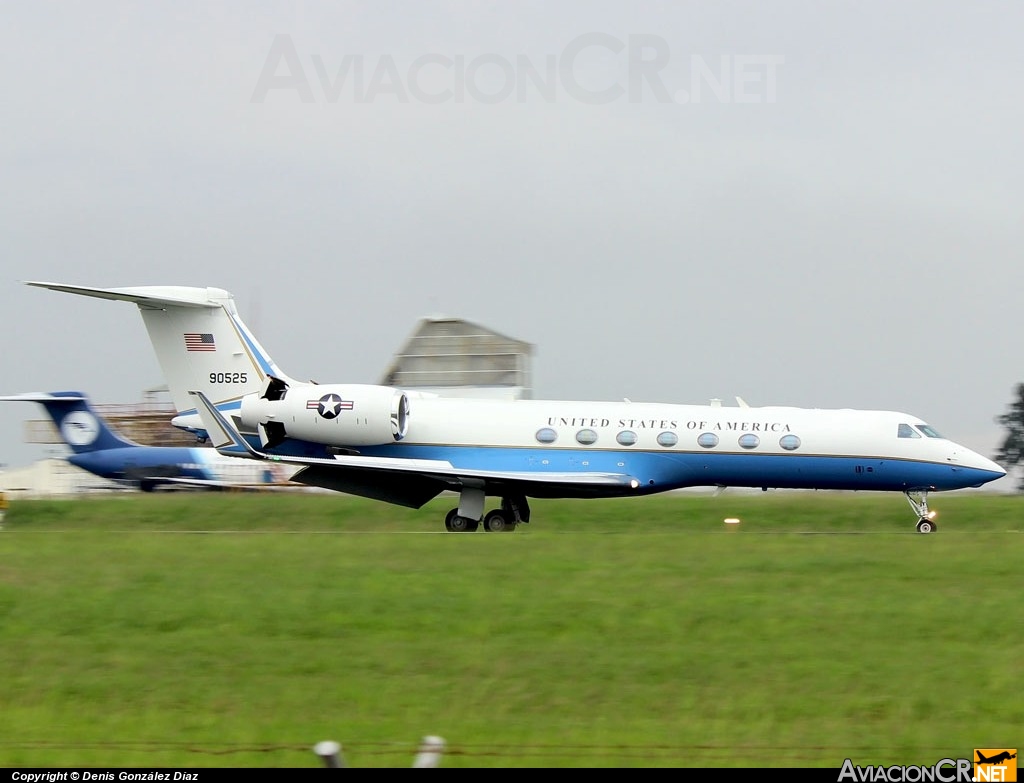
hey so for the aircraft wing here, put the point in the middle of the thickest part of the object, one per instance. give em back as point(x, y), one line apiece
point(375, 477)
point(214, 484)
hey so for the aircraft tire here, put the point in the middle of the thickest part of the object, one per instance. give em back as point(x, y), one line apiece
point(925, 526)
point(453, 523)
point(497, 521)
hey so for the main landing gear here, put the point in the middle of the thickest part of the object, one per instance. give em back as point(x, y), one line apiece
point(925, 518)
point(467, 516)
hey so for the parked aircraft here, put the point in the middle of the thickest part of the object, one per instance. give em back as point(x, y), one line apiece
point(101, 451)
point(406, 448)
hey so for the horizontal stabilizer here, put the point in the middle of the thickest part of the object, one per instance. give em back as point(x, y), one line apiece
point(42, 397)
point(155, 297)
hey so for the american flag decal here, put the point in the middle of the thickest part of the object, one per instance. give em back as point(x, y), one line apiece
point(194, 341)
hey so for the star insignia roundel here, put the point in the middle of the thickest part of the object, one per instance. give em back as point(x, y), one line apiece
point(330, 406)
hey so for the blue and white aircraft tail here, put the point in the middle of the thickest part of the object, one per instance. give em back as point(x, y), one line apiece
point(203, 345)
point(200, 342)
point(406, 448)
point(101, 451)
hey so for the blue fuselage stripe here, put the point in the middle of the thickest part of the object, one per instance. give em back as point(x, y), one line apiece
point(658, 471)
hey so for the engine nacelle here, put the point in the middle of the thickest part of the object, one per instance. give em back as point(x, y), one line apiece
point(332, 414)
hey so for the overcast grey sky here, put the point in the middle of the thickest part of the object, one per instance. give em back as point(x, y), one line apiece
point(812, 204)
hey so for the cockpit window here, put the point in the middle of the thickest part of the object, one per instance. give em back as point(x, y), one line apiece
point(928, 431)
point(906, 431)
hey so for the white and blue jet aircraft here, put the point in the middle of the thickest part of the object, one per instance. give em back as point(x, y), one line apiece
point(405, 447)
point(98, 449)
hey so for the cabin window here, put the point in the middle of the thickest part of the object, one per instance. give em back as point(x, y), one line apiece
point(928, 431)
point(667, 439)
point(707, 440)
point(749, 441)
point(789, 442)
point(626, 438)
point(586, 437)
point(906, 431)
point(546, 435)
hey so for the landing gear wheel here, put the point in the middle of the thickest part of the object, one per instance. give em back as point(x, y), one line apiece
point(453, 523)
point(498, 521)
point(918, 499)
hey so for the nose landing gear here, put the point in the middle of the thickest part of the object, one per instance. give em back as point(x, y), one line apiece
point(925, 519)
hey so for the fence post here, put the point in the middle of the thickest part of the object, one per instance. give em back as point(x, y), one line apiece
point(429, 754)
point(330, 752)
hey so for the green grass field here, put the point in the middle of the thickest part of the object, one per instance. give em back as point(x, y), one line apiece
point(238, 630)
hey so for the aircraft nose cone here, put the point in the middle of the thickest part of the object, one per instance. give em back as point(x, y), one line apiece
point(994, 467)
point(989, 470)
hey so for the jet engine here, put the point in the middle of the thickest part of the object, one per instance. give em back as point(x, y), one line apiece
point(332, 414)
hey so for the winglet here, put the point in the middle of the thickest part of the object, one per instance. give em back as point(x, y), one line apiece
point(223, 434)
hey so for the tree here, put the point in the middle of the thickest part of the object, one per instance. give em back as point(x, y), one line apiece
point(1011, 453)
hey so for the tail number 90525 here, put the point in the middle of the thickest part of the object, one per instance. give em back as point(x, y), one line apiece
point(229, 377)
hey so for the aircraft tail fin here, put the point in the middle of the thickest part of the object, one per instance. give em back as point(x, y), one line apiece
point(78, 424)
point(200, 342)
